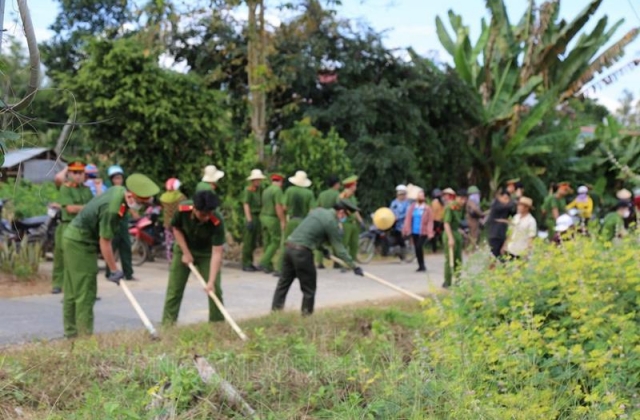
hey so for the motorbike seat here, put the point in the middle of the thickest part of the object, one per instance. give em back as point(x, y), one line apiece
point(31, 222)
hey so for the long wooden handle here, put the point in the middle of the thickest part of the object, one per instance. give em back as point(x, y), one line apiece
point(382, 281)
point(451, 257)
point(136, 306)
point(215, 299)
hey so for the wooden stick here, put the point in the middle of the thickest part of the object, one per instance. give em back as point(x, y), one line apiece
point(382, 281)
point(451, 259)
point(136, 306)
point(215, 299)
point(209, 376)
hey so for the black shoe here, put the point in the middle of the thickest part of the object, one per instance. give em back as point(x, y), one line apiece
point(56, 290)
point(249, 268)
point(276, 274)
point(97, 298)
point(265, 270)
point(320, 266)
point(421, 270)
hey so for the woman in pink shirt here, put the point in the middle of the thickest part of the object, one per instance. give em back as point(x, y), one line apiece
point(419, 224)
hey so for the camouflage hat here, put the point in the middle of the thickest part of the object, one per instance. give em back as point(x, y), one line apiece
point(350, 180)
point(141, 185)
point(473, 190)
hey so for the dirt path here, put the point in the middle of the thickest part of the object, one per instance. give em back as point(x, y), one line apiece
point(246, 295)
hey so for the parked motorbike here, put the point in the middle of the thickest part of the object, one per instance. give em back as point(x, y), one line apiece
point(384, 243)
point(147, 237)
point(37, 229)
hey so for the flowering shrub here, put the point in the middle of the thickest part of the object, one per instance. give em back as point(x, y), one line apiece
point(554, 337)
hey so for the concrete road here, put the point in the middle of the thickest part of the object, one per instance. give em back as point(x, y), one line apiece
point(245, 295)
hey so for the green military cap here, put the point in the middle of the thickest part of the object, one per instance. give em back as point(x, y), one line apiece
point(350, 180)
point(347, 205)
point(473, 190)
point(203, 186)
point(76, 165)
point(141, 185)
point(513, 181)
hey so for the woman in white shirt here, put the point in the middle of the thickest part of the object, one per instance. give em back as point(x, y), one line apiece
point(523, 230)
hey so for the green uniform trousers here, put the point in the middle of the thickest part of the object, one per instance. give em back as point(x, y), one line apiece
point(297, 263)
point(58, 257)
point(457, 257)
point(351, 238)
point(272, 237)
point(80, 287)
point(121, 243)
point(250, 241)
point(292, 224)
point(178, 276)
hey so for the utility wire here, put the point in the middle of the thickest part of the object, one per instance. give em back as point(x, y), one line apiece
point(634, 10)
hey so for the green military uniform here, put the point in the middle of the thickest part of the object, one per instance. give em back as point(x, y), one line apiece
point(271, 230)
point(201, 237)
point(98, 219)
point(612, 226)
point(70, 194)
point(319, 227)
point(326, 199)
point(351, 230)
point(550, 203)
point(122, 243)
point(251, 196)
point(203, 186)
point(298, 202)
point(453, 214)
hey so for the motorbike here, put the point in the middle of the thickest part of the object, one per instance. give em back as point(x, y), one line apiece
point(384, 243)
point(147, 237)
point(37, 229)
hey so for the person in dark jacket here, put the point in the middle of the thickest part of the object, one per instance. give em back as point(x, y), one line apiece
point(498, 221)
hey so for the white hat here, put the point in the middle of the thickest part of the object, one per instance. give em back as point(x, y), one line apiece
point(563, 223)
point(623, 194)
point(401, 188)
point(256, 174)
point(212, 174)
point(582, 189)
point(300, 179)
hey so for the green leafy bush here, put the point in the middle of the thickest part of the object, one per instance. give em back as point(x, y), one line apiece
point(557, 337)
point(26, 199)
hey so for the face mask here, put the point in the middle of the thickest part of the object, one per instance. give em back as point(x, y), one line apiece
point(343, 219)
point(475, 198)
point(134, 205)
point(626, 214)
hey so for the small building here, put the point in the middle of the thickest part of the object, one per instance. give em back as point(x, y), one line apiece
point(35, 164)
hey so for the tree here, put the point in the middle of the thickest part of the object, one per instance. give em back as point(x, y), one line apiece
point(522, 72)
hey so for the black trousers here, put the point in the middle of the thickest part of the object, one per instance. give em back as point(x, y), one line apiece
point(297, 263)
point(438, 228)
point(496, 246)
point(418, 246)
point(398, 238)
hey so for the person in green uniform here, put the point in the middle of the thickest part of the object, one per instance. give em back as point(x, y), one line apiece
point(554, 206)
point(319, 227)
point(92, 229)
point(72, 198)
point(515, 189)
point(251, 204)
point(351, 227)
point(327, 199)
point(211, 177)
point(200, 236)
point(613, 224)
point(122, 241)
point(272, 219)
point(297, 202)
point(453, 215)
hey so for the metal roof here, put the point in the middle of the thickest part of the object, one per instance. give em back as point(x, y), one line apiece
point(16, 157)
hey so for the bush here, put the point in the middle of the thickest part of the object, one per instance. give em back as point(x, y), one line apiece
point(21, 261)
point(27, 199)
point(557, 337)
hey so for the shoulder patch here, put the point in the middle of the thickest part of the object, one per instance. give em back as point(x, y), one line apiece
point(70, 184)
point(214, 220)
point(123, 210)
point(185, 207)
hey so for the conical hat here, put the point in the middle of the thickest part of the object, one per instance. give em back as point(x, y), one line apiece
point(384, 218)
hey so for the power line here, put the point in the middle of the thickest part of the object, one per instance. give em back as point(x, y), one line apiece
point(634, 10)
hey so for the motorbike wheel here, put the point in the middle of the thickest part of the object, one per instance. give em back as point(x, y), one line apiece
point(366, 250)
point(409, 255)
point(139, 252)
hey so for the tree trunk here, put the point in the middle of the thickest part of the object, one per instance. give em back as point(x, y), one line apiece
point(64, 135)
point(256, 69)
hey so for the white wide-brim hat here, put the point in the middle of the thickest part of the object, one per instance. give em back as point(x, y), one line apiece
point(256, 174)
point(563, 223)
point(300, 179)
point(212, 174)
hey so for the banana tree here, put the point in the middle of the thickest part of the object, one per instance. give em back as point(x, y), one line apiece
point(523, 72)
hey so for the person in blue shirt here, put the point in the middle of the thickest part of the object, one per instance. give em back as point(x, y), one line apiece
point(399, 207)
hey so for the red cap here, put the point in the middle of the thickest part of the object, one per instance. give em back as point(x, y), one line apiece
point(277, 177)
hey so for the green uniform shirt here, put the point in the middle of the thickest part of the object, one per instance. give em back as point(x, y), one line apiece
point(253, 198)
point(553, 202)
point(453, 214)
point(298, 201)
point(99, 218)
point(71, 194)
point(200, 236)
point(319, 227)
point(328, 198)
point(271, 196)
point(353, 200)
point(612, 225)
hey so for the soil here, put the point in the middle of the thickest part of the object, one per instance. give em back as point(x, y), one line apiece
point(11, 286)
